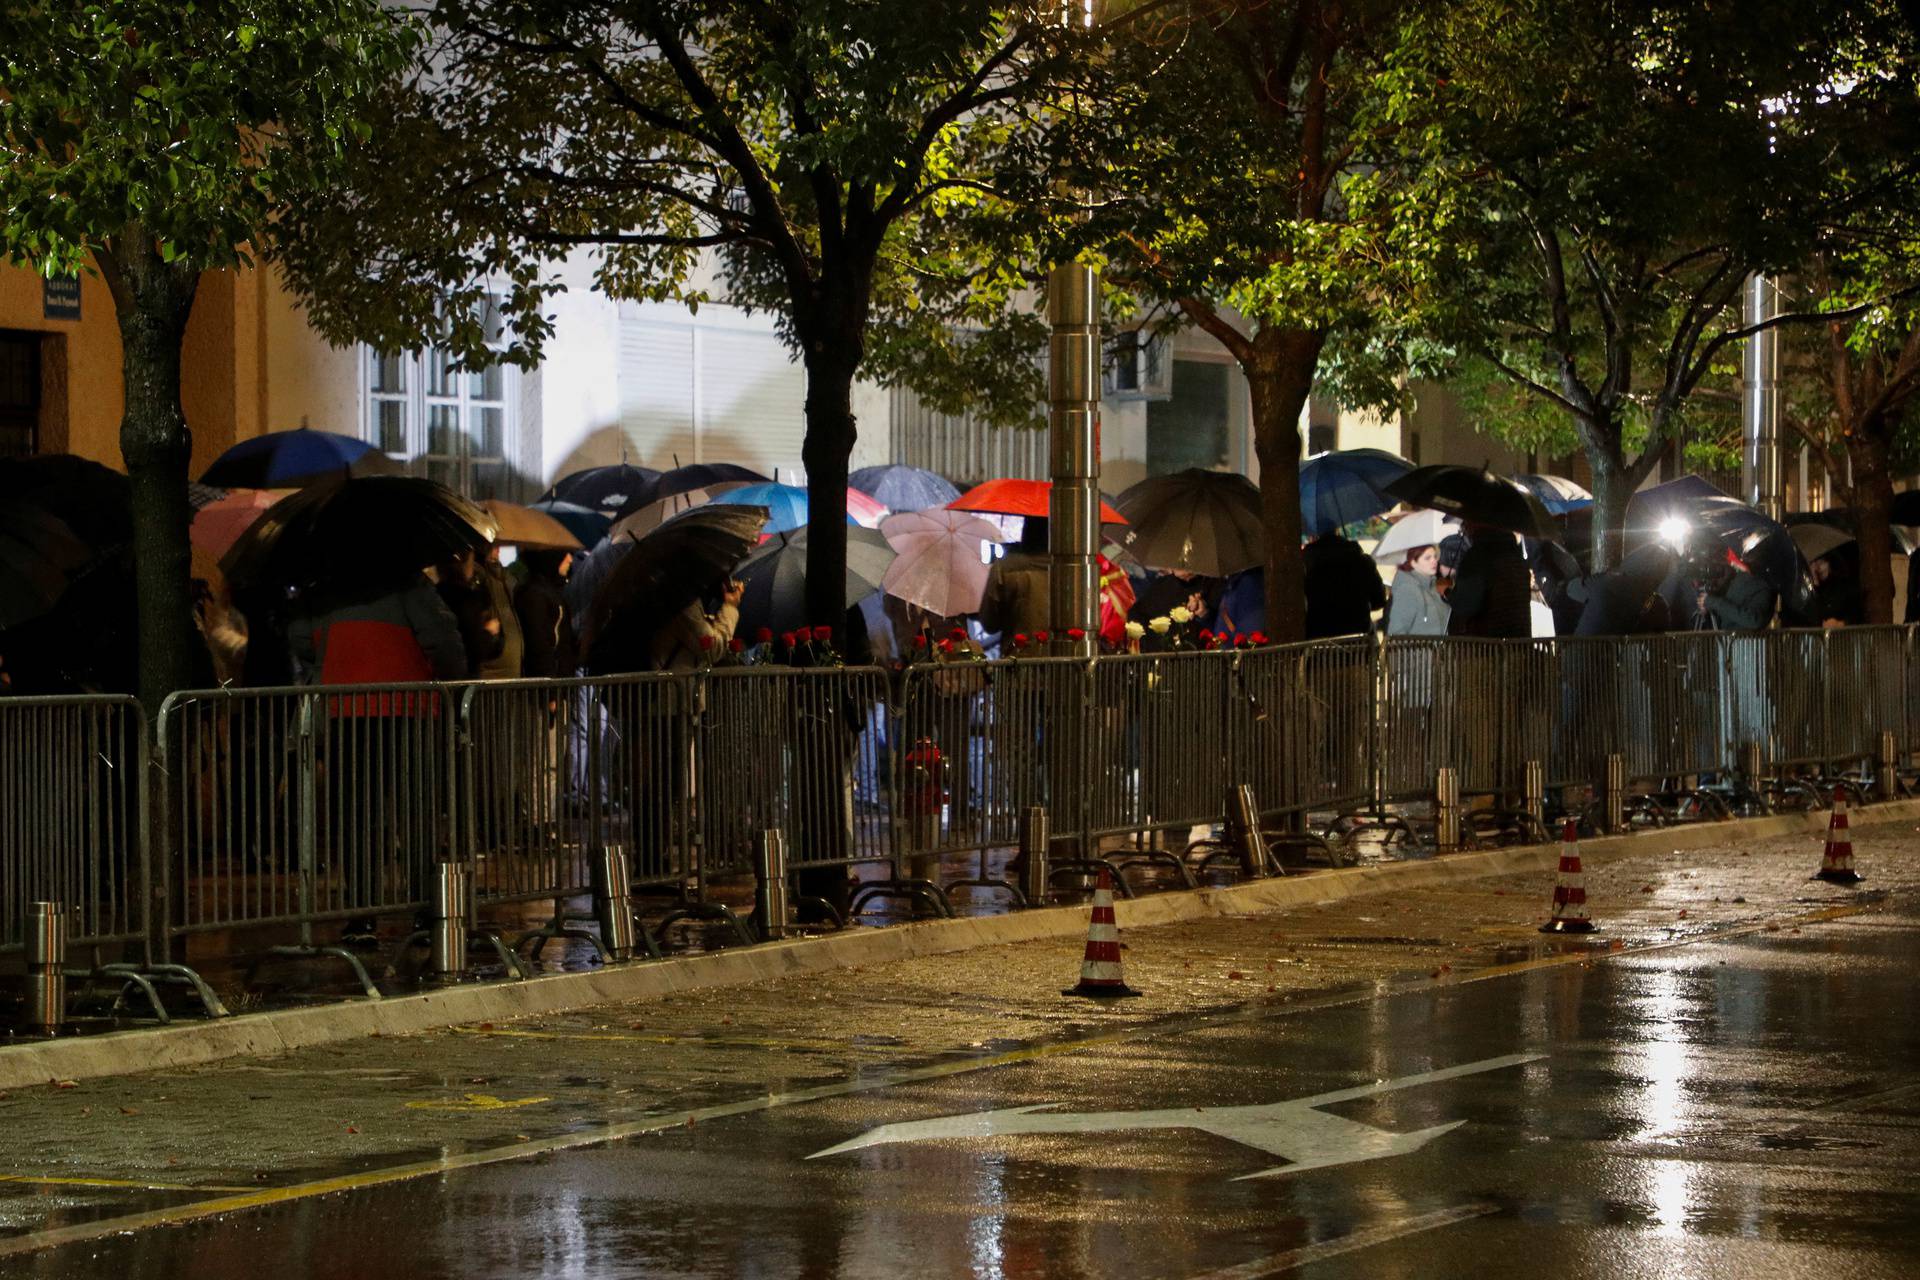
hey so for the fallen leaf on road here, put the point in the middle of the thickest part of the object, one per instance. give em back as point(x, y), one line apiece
point(1646, 888)
point(1235, 973)
point(1683, 915)
point(64, 1084)
point(129, 1111)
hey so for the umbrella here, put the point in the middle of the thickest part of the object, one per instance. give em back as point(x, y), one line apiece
point(1906, 507)
point(654, 578)
point(638, 522)
point(902, 488)
point(584, 523)
point(699, 475)
point(360, 533)
point(1421, 529)
point(940, 567)
point(776, 576)
point(1477, 496)
point(518, 526)
point(1556, 493)
point(96, 502)
point(219, 524)
point(38, 553)
point(290, 459)
point(1347, 486)
point(1019, 498)
point(607, 490)
point(1816, 540)
point(788, 505)
point(1206, 522)
point(1843, 518)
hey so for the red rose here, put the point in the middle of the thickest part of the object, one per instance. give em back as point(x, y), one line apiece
point(946, 646)
point(706, 642)
point(1206, 633)
point(1239, 641)
point(787, 638)
point(823, 635)
point(1075, 633)
point(1257, 639)
point(958, 633)
point(737, 645)
point(1019, 639)
point(1043, 636)
point(763, 636)
point(920, 641)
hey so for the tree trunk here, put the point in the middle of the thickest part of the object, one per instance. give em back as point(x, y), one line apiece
point(153, 299)
point(1279, 380)
point(1612, 490)
point(830, 435)
point(1867, 449)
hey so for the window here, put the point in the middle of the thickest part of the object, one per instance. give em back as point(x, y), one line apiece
point(448, 424)
point(1138, 366)
point(19, 394)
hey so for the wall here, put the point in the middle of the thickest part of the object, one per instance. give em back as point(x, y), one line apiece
point(92, 353)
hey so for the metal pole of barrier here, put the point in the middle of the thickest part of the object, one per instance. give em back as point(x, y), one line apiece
point(1035, 835)
point(1614, 796)
point(1244, 824)
point(46, 966)
point(613, 904)
point(770, 911)
point(1753, 771)
point(1885, 781)
point(1446, 808)
point(452, 894)
point(1534, 800)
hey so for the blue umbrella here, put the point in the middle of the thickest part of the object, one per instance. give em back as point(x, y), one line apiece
point(786, 504)
point(584, 523)
point(1556, 493)
point(1347, 486)
point(289, 459)
point(902, 488)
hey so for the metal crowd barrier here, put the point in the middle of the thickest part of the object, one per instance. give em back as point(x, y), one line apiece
point(292, 807)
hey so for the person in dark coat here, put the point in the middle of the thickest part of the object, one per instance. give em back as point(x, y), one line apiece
point(1733, 598)
point(471, 602)
point(1015, 599)
point(1626, 600)
point(1343, 587)
point(1493, 592)
point(1913, 586)
point(550, 649)
point(1837, 598)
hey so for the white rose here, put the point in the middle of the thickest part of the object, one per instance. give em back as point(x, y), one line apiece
point(1160, 626)
point(1181, 614)
point(1135, 631)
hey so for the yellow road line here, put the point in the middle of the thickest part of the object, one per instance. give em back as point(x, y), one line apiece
point(32, 1243)
point(46, 1180)
point(662, 1037)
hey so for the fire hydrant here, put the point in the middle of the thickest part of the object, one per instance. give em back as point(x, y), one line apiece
point(923, 795)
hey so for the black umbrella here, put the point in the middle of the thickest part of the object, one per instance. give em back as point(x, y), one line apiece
point(698, 475)
point(95, 502)
point(1900, 518)
point(1206, 522)
point(1479, 497)
point(365, 533)
point(776, 577)
point(607, 490)
point(651, 580)
point(38, 552)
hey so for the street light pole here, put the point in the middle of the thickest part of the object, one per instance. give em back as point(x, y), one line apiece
point(1760, 402)
point(1073, 503)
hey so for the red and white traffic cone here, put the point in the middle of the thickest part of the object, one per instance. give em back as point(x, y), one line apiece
point(1836, 865)
point(1570, 891)
point(1100, 968)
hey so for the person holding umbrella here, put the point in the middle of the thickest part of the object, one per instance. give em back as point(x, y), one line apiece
point(691, 637)
point(1015, 601)
point(1492, 593)
point(1343, 587)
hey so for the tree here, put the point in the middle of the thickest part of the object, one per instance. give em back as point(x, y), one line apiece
point(815, 154)
point(1238, 178)
point(152, 142)
point(1624, 193)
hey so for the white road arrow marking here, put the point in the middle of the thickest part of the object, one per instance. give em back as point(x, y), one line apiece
point(1307, 1138)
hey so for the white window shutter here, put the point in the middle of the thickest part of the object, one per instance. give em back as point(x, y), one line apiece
point(752, 401)
point(657, 391)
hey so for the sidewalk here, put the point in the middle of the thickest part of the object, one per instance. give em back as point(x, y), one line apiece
point(379, 1100)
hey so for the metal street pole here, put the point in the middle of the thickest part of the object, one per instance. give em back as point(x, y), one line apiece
point(1073, 505)
point(1760, 401)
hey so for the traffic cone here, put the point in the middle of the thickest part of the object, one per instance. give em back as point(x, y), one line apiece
point(1836, 865)
point(1570, 892)
point(1100, 968)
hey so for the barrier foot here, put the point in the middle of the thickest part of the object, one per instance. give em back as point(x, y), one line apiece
point(181, 974)
point(826, 909)
point(1157, 857)
point(1004, 886)
point(1088, 867)
point(508, 959)
point(903, 887)
point(708, 911)
point(132, 977)
point(315, 953)
point(553, 931)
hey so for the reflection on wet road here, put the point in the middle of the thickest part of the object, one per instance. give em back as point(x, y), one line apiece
point(1744, 1107)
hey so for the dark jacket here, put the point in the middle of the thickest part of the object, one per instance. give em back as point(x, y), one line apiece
point(406, 636)
point(549, 647)
point(1343, 587)
point(1016, 596)
point(1492, 593)
point(1618, 601)
point(1745, 603)
point(471, 604)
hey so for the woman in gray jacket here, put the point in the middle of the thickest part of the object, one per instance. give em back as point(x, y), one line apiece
point(1417, 609)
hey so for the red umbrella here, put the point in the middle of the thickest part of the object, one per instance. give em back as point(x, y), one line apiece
point(1019, 498)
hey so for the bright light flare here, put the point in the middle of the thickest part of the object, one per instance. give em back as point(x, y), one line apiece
point(1673, 532)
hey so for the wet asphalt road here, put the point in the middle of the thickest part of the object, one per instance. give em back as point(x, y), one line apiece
point(1740, 1107)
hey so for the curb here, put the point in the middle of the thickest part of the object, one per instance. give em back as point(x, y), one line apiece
point(280, 1031)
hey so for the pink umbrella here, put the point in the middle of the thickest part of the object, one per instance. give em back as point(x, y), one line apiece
point(940, 566)
point(866, 510)
point(219, 524)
